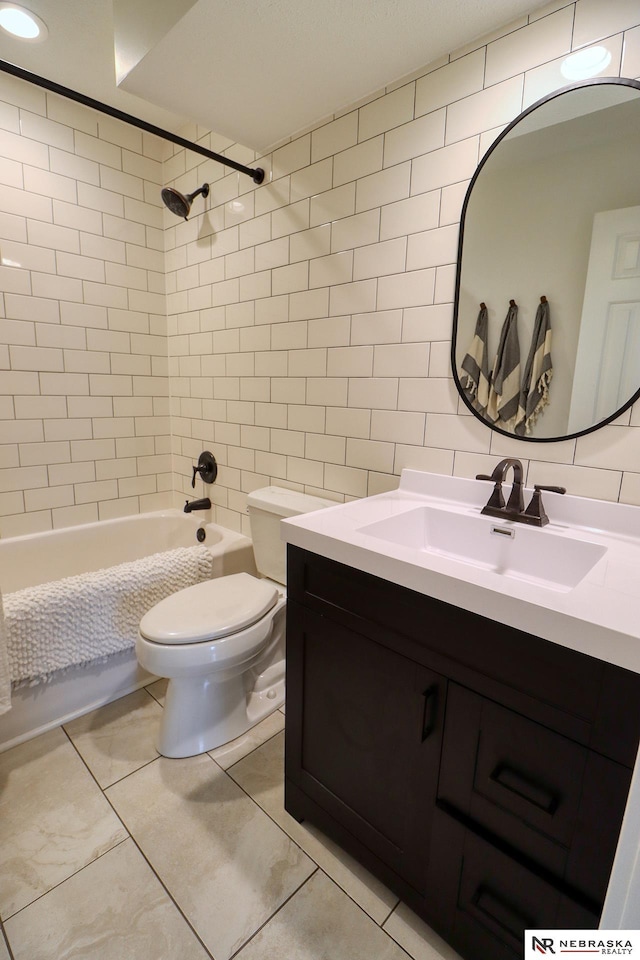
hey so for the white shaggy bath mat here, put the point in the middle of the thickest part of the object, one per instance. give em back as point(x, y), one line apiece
point(87, 618)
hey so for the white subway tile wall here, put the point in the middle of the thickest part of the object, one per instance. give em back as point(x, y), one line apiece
point(300, 329)
point(84, 416)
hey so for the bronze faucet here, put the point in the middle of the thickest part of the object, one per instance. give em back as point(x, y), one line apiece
point(496, 505)
point(535, 514)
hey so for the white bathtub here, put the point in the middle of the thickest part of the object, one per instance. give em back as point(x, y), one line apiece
point(39, 558)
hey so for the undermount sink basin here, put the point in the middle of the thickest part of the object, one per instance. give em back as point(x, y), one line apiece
point(509, 549)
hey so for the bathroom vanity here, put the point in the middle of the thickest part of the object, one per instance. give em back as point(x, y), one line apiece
point(480, 770)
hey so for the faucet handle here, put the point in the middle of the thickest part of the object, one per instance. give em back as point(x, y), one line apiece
point(536, 510)
point(496, 500)
point(206, 467)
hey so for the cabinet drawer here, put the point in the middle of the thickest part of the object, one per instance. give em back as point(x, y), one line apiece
point(546, 796)
point(490, 898)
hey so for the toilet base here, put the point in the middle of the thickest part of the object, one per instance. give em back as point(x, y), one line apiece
point(202, 713)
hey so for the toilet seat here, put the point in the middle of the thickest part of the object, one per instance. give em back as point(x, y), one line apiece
point(204, 656)
point(209, 611)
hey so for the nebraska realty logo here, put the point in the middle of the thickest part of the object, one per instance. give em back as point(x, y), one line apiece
point(581, 943)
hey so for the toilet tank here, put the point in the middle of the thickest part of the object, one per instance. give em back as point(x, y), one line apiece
point(266, 508)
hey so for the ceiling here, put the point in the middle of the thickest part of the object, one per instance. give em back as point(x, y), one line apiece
point(256, 73)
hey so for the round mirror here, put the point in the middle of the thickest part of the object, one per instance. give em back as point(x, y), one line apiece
point(546, 339)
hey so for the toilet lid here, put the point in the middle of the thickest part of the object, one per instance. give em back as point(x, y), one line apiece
point(209, 610)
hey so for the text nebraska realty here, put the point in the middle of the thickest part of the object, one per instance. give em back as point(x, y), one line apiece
point(606, 947)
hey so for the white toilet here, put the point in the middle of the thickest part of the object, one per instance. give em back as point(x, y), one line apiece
point(221, 643)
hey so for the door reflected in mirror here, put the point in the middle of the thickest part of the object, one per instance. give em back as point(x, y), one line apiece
point(553, 212)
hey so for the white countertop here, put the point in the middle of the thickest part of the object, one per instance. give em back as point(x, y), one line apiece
point(600, 616)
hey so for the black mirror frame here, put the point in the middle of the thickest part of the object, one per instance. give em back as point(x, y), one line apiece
point(596, 81)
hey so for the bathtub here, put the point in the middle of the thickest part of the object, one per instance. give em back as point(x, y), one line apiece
point(41, 558)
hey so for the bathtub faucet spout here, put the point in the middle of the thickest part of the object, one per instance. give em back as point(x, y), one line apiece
point(204, 504)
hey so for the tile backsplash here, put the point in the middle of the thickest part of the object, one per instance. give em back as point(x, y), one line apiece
point(300, 329)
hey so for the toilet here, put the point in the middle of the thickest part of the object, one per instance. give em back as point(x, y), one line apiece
point(221, 643)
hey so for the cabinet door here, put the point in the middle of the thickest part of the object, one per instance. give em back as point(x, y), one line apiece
point(364, 726)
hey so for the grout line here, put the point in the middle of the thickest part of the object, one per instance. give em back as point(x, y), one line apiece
point(390, 914)
point(283, 904)
point(137, 845)
point(131, 772)
point(152, 695)
point(170, 896)
point(240, 759)
point(168, 892)
point(309, 855)
point(6, 941)
point(164, 886)
point(404, 950)
point(71, 875)
point(126, 775)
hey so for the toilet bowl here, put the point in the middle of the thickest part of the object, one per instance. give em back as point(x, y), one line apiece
point(221, 643)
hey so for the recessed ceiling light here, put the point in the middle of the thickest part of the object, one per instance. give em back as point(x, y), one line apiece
point(585, 63)
point(21, 23)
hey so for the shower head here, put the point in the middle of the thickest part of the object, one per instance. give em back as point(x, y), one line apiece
point(178, 203)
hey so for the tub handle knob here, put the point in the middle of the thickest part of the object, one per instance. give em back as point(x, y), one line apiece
point(206, 467)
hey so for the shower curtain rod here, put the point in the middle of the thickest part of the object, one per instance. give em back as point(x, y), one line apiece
point(256, 174)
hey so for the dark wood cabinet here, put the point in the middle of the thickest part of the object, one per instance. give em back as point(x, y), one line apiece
point(386, 729)
point(480, 771)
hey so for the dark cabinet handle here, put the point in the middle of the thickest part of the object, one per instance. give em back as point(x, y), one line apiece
point(429, 711)
point(501, 912)
point(521, 786)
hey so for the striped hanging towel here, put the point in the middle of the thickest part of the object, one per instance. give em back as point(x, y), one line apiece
point(5, 675)
point(538, 371)
point(504, 390)
point(475, 381)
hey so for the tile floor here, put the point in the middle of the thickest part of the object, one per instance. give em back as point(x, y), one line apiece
point(111, 852)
